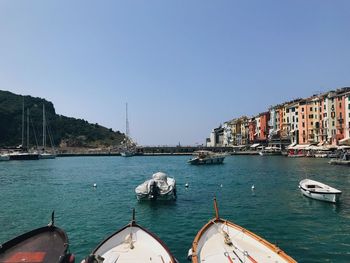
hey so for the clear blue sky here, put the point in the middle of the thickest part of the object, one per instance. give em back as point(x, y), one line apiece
point(183, 66)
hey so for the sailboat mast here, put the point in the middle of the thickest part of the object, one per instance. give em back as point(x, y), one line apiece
point(44, 128)
point(127, 122)
point(22, 122)
point(27, 129)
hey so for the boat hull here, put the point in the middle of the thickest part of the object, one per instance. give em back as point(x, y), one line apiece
point(166, 197)
point(4, 157)
point(45, 245)
point(47, 156)
point(126, 154)
point(199, 161)
point(333, 198)
point(339, 162)
point(319, 191)
point(222, 241)
point(24, 156)
point(132, 244)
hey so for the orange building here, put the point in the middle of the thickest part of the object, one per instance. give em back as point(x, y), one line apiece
point(263, 126)
point(251, 130)
point(340, 117)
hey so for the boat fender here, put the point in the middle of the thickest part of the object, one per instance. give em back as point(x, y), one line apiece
point(189, 254)
point(68, 258)
point(71, 258)
point(94, 259)
point(308, 191)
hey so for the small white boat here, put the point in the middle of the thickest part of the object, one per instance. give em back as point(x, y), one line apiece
point(269, 151)
point(47, 155)
point(132, 243)
point(319, 191)
point(160, 187)
point(222, 241)
point(345, 160)
point(4, 157)
point(207, 157)
point(127, 153)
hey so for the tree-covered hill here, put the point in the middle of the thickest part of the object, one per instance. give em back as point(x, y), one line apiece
point(63, 130)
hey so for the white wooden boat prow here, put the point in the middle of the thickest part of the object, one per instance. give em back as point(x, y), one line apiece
point(222, 241)
point(132, 243)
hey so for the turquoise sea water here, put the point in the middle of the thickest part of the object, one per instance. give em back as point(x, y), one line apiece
point(306, 229)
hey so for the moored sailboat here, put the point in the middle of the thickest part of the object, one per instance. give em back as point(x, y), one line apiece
point(132, 243)
point(223, 241)
point(46, 154)
point(128, 147)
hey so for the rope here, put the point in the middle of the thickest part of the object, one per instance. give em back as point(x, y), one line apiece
point(228, 239)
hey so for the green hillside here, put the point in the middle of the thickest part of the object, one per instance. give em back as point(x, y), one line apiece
point(65, 131)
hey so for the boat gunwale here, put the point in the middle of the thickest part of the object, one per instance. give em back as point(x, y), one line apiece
point(133, 224)
point(261, 240)
point(18, 239)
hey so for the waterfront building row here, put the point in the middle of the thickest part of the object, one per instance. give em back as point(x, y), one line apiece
point(322, 119)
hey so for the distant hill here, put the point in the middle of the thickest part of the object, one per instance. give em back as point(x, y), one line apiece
point(64, 131)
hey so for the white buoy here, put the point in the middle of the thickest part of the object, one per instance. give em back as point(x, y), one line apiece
point(220, 185)
point(95, 185)
point(253, 187)
point(186, 185)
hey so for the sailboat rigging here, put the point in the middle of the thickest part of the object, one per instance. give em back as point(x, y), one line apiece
point(128, 148)
point(45, 154)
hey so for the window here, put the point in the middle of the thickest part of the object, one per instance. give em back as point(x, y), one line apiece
point(303, 116)
point(288, 119)
point(315, 109)
point(287, 110)
point(303, 139)
point(311, 116)
point(339, 105)
point(311, 109)
point(312, 123)
point(302, 109)
point(325, 114)
point(293, 119)
point(293, 109)
point(303, 124)
point(333, 123)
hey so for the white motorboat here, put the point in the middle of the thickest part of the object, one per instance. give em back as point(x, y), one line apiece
point(268, 151)
point(345, 160)
point(319, 191)
point(47, 155)
point(207, 157)
point(222, 241)
point(132, 243)
point(160, 187)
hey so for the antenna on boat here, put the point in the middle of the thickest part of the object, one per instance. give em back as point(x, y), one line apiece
point(52, 223)
point(216, 209)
